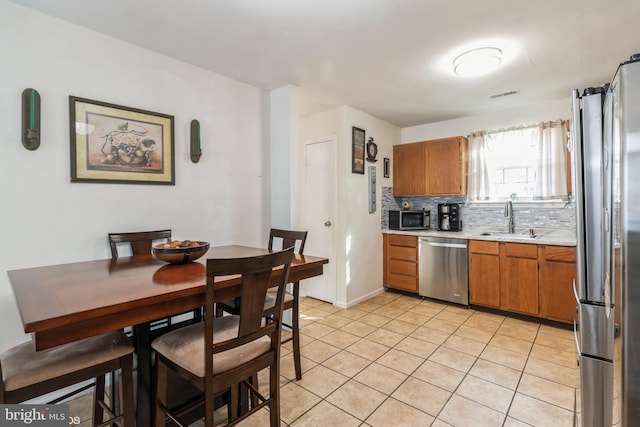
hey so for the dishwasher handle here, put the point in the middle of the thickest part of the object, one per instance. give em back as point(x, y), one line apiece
point(443, 245)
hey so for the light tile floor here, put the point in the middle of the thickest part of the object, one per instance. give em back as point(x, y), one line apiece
point(397, 360)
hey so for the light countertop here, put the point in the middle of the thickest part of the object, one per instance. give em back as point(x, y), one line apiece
point(557, 237)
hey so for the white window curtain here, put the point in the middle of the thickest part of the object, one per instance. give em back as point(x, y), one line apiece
point(540, 147)
point(478, 187)
point(551, 170)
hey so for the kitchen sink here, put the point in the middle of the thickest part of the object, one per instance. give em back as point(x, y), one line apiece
point(521, 236)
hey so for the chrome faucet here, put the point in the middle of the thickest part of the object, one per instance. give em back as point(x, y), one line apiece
point(508, 211)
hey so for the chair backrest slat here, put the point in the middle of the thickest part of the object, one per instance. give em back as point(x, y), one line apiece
point(254, 293)
point(288, 238)
point(139, 241)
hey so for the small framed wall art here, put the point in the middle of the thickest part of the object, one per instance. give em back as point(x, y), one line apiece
point(357, 150)
point(386, 167)
point(115, 144)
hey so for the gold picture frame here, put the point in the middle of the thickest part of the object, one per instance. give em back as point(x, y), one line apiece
point(116, 144)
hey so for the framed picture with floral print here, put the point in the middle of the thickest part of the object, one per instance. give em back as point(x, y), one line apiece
point(115, 144)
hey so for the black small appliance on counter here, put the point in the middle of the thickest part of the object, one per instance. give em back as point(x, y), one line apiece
point(449, 217)
point(409, 220)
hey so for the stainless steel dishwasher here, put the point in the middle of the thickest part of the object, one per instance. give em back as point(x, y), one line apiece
point(443, 269)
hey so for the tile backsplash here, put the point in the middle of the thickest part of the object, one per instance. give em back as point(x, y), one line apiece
point(486, 215)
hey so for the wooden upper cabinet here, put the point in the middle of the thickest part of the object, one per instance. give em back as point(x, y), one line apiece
point(431, 168)
point(447, 167)
point(409, 169)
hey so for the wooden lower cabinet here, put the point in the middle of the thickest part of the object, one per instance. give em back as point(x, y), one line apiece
point(484, 273)
point(557, 273)
point(536, 280)
point(519, 278)
point(400, 266)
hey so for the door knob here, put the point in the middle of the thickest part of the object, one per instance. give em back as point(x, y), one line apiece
point(327, 223)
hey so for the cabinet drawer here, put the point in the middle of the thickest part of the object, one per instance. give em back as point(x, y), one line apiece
point(402, 267)
point(520, 250)
point(560, 253)
point(399, 281)
point(400, 240)
point(484, 247)
point(403, 253)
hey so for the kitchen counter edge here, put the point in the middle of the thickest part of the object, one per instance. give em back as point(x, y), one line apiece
point(555, 237)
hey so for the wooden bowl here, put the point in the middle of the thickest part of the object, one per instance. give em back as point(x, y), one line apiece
point(180, 255)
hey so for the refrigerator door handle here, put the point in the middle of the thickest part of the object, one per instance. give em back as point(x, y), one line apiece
point(575, 336)
point(576, 325)
point(578, 156)
point(575, 293)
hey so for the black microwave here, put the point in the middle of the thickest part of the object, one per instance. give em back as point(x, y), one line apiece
point(409, 220)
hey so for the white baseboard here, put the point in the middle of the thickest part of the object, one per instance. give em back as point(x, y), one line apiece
point(363, 298)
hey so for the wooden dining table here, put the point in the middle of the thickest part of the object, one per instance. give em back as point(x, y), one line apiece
point(63, 303)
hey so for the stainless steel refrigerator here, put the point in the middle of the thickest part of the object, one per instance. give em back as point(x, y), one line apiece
point(605, 132)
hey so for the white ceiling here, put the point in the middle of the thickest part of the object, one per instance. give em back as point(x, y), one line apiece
point(389, 58)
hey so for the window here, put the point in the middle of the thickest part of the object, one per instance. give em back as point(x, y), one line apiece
point(527, 162)
point(512, 182)
point(511, 160)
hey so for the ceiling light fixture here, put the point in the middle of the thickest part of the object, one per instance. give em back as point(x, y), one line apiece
point(477, 62)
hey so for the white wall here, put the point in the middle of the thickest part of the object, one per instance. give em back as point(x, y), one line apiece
point(363, 262)
point(46, 219)
point(285, 134)
point(533, 113)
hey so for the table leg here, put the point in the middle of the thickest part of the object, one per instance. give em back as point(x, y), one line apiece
point(142, 342)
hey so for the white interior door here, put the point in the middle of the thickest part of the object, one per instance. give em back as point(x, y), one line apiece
point(317, 214)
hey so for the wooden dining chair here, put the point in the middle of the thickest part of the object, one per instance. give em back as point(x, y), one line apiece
point(27, 373)
point(280, 239)
point(140, 243)
point(222, 355)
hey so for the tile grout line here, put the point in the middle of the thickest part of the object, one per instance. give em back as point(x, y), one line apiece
point(515, 391)
point(388, 395)
point(467, 372)
point(441, 345)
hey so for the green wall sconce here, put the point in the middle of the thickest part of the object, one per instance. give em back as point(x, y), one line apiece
point(30, 119)
point(196, 144)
